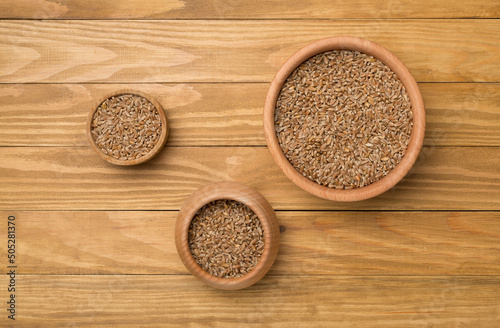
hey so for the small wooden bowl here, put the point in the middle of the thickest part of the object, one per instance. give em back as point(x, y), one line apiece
point(416, 138)
point(243, 194)
point(156, 149)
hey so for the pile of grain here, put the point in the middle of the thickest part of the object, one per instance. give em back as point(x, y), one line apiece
point(226, 239)
point(343, 119)
point(126, 127)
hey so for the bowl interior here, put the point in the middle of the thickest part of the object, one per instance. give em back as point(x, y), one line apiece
point(416, 138)
point(264, 223)
point(153, 152)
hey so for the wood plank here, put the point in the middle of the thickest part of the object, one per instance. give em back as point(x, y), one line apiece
point(237, 9)
point(232, 50)
point(461, 114)
point(213, 114)
point(51, 178)
point(198, 114)
point(312, 243)
point(298, 301)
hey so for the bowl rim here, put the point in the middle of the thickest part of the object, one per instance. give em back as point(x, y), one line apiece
point(402, 72)
point(243, 194)
point(156, 149)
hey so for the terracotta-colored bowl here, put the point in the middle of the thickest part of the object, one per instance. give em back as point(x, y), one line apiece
point(156, 149)
point(243, 194)
point(416, 138)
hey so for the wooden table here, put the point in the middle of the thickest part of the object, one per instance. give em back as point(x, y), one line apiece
point(95, 242)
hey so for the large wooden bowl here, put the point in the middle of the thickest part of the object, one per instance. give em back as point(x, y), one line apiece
point(252, 199)
point(156, 149)
point(416, 138)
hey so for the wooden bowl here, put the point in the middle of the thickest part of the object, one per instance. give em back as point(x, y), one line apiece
point(156, 149)
point(417, 134)
point(243, 194)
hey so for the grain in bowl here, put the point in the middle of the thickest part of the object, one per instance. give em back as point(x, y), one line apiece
point(226, 238)
point(227, 235)
point(127, 128)
point(344, 119)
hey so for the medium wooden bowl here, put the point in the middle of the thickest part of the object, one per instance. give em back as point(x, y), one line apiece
point(243, 194)
point(156, 149)
point(416, 138)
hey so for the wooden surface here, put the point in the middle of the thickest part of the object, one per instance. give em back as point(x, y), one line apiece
point(239, 9)
point(95, 242)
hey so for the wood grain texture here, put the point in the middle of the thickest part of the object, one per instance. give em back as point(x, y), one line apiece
point(462, 114)
point(298, 301)
point(454, 178)
point(312, 243)
point(239, 9)
point(233, 50)
point(198, 114)
point(213, 114)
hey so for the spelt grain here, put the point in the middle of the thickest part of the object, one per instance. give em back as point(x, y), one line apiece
point(226, 239)
point(126, 127)
point(343, 119)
